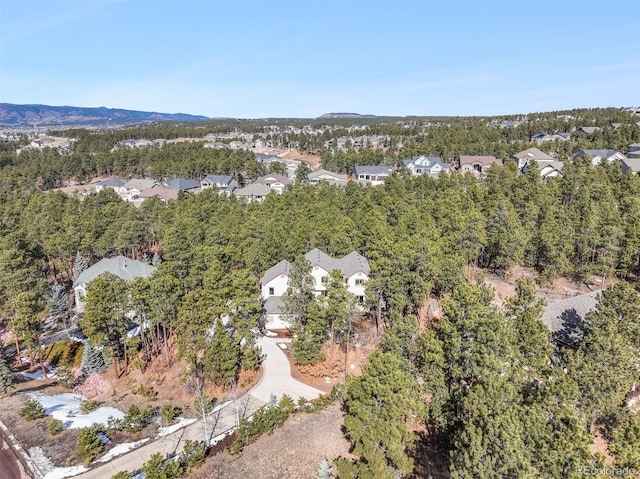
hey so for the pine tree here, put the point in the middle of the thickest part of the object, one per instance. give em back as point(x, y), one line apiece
point(156, 259)
point(377, 405)
point(59, 302)
point(92, 361)
point(299, 294)
point(79, 265)
point(6, 379)
point(221, 357)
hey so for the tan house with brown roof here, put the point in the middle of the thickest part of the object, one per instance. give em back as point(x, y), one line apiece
point(478, 165)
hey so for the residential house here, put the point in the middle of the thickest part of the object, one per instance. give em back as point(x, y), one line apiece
point(634, 150)
point(336, 179)
point(273, 285)
point(255, 192)
point(598, 155)
point(631, 165)
point(565, 318)
point(373, 175)
point(134, 187)
point(478, 165)
point(116, 184)
point(223, 183)
point(274, 181)
point(120, 266)
point(541, 138)
point(590, 130)
point(530, 154)
point(427, 165)
point(182, 184)
point(164, 194)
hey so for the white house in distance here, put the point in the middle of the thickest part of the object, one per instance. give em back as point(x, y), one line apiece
point(336, 179)
point(373, 175)
point(598, 155)
point(426, 165)
point(354, 267)
point(120, 266)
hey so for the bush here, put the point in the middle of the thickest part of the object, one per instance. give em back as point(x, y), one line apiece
point(89, 405)
point(265, 420)
point(31, 410)
point(89, 445)
point(54, 427)
point(157, 467)
point(168, 414)
point(136, 419)
point(148, 393)
point(193, 454)
point(122, 475)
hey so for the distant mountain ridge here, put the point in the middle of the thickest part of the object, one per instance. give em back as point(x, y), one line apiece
point(69, 116)
point(346, 115)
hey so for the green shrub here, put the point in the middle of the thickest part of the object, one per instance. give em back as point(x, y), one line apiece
point(168, 414)
point(265, 420)
point(89, 445)
point(122, 475)
point(157, 467)
point(136, 419)
point(148, 393)
point(89, 405)
point(193, 454)
point(54, 427)
point(31, 410)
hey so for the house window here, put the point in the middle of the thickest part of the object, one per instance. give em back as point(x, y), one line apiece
point(271, 292)
point(360, 299)
point(324, 279)
point(359, 282)
point(419, 171)
point(315, 268)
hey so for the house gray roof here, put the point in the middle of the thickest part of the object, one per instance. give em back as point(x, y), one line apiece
point(595, 153)
point(423, 160)
point(273, 305)
point(349, 264)
point(113, 182)
point(122, 267)
point(281, 268)
point(631, 164)
point(219, 179)
point(140, 184)
point(182, 184)
point(372, 170)
point(322, 174)
point(273, 178)
point(483, 160)
point(254, 189)
point(533, 154)
point(565, 317)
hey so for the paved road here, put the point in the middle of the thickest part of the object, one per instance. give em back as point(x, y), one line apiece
point(276, 381)
point(10, 467)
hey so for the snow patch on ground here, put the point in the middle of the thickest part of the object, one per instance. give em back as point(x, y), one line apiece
point(220, 437)
point(164, 431)
point(37, 374)
point(282, 345)
point(66, 408)
point(40, 459)
point(121, 449)
point(62, 472)
point(221, 406)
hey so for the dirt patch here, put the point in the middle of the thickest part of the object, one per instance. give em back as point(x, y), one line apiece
point(338, 362)
point(294, 451)
point(561, 288)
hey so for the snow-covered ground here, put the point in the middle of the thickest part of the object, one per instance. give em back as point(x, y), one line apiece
point(164, 431)
point(66, 408)
point(121, 449)
point(62, 472)
point(37, 374)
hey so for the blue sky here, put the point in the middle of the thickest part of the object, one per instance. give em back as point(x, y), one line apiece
point(304, 58)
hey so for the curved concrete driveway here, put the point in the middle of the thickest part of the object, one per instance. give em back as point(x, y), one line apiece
point(276, 381)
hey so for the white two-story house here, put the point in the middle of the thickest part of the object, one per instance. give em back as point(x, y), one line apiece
point(273, 285)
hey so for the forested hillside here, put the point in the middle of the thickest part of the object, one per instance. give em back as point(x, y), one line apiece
point(484, 380)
